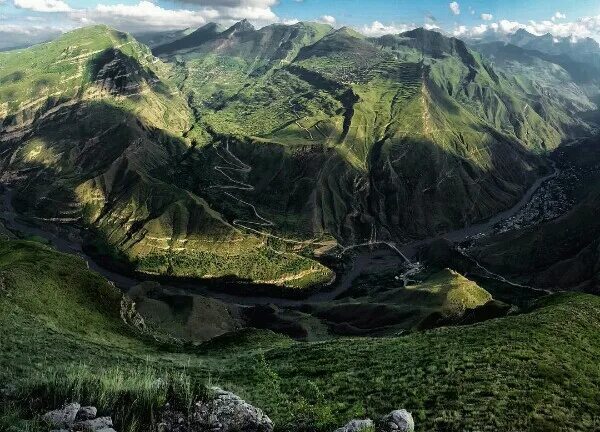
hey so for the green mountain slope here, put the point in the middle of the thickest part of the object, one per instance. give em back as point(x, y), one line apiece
point(116, 171)
point(248, 149)
point(63, 338)
point(378, 135)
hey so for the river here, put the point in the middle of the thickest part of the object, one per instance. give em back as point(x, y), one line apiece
point(374, 258)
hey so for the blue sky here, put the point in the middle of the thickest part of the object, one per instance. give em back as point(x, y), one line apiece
point(358, 12)
point(25, 21)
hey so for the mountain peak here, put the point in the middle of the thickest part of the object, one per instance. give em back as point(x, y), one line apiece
point(211, 26)
point(522, 31)
point(422, 32)
point(198, 37)
point(349, 31)
point(242, 26)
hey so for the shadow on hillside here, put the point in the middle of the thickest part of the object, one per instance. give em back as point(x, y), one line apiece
point(120, 74)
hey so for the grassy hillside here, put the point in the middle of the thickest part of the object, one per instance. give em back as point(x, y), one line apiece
point(245, 150)
point(359, 137)
point(63, 338)
point(77, 67)
point(102, 132)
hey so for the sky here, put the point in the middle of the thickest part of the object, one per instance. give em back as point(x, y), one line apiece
point(30, 21)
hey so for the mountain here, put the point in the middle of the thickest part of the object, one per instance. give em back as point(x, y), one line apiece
point(573, 84)
point(270, 44)
point(581, 50)
point(246, 153)
point(191, 40)
point(155, 38)
point(550, 44)
point(120, 170)
point(369, 116)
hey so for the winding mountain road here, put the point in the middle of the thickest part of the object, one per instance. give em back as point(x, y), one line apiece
point(372, 257)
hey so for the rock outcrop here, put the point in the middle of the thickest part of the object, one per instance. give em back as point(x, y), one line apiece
point(223, 412)
point(397, 421)
point(358, 426)
point(73, 417)
point(64, 417)
point(130, 315)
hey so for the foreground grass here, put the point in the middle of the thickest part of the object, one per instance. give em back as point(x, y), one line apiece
point(62, 339)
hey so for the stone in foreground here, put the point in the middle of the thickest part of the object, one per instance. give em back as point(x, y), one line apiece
point(95, 424)
point(73, 417)
point(398, 421)
point(62, 418)
point(86, 413)
point(358, 426)
point(225, 412)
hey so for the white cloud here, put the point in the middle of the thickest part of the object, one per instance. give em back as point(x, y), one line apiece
point(327, 19)
point(487, 16)
point(581, 28)
point(261, 4)
point(146, 15)
point(558, 15)
point(43, 5)
point(15, 35)
point(460, 31)
point(455, 8)
point(377, 28)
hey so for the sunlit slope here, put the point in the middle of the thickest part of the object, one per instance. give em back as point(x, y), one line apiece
point(247, 149)
point(86, 65)
point(387, 130)
point(102, 141)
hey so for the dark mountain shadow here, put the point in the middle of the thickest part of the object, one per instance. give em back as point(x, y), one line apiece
point(120, 74)
point(563, 253)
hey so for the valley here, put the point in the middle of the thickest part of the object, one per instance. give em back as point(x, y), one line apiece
point(361, 261)
point(330, 224)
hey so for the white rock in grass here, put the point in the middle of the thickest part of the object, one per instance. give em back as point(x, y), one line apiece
point(87, 413)
point(223, 412)
point(231, 413)
point(357, 426)
point(398, 421)
point(64, 417)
